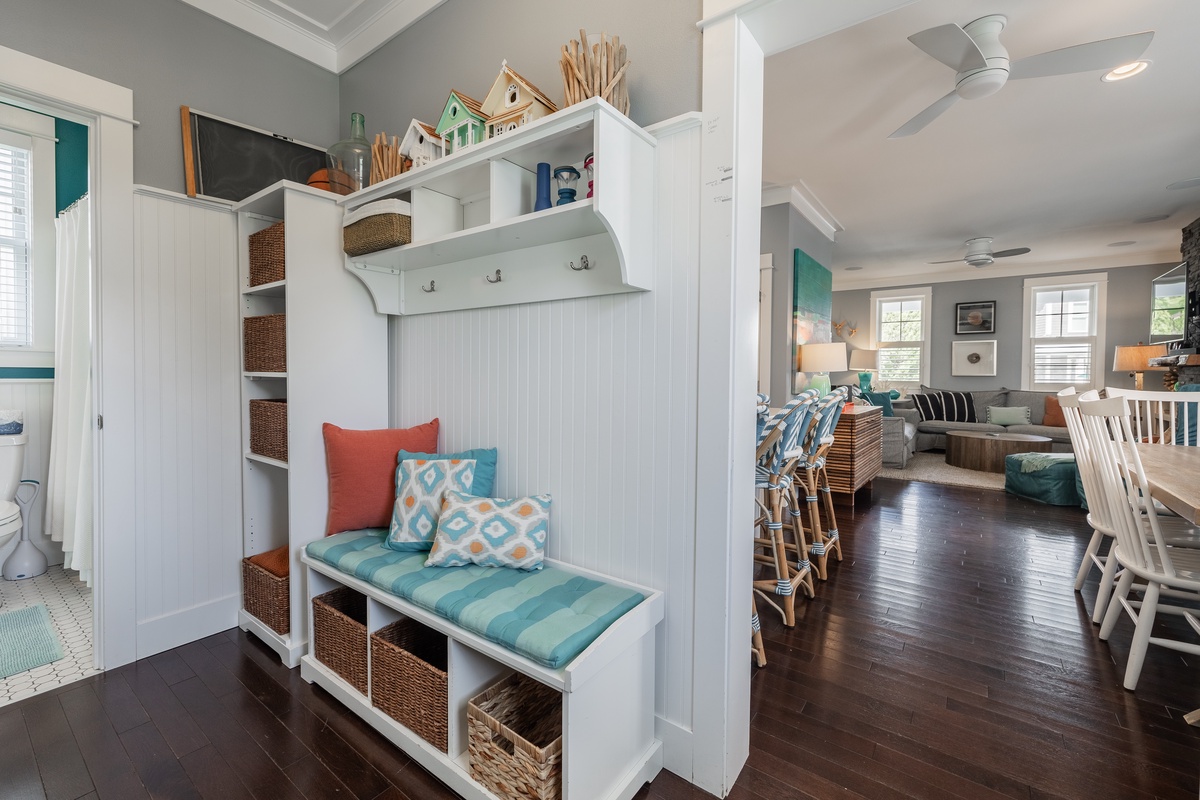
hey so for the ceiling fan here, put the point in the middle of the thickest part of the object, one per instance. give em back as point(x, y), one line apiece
point(979, 253)
point(975, 53)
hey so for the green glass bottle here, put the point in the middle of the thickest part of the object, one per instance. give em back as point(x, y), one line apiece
point(353, 155)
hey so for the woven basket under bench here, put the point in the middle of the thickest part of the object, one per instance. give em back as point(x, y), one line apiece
point(408, 678)
point(340, 634)
point(515, 739)
point(265, 584)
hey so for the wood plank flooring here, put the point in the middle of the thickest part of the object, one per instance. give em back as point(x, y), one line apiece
point(946, 657)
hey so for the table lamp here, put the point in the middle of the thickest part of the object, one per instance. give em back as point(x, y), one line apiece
point(818, 360)
point(1135, 359)
point(864, 362)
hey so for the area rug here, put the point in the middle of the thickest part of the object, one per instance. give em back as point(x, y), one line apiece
point(27, 640)
point(932, 468)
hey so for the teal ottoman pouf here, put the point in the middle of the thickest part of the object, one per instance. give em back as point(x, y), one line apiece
point(1049, 478)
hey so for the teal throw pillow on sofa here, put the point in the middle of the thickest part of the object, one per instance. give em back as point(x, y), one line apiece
point(881, 399)
point(1188, 436)
point(1008, 415)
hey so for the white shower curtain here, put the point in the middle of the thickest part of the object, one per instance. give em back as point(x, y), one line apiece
point(69, 484)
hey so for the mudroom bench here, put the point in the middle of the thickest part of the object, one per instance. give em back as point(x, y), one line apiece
point(587, 636)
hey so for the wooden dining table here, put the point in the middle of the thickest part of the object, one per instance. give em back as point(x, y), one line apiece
point(1174, 476)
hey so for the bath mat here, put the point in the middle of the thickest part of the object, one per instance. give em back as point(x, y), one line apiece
point(27, 640)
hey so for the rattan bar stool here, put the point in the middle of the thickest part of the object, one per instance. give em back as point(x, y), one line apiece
point(812, 476)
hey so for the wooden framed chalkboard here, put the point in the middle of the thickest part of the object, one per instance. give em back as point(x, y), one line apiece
point(225, 160)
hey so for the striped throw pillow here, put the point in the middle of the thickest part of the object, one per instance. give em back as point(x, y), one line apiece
point(929, 406)
point(958, 407)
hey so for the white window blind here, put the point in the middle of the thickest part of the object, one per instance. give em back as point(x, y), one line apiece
point(900, 327)
point(15, 233)
point(1063, 348)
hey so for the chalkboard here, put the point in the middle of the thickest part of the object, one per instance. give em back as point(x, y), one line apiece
point(225, 160)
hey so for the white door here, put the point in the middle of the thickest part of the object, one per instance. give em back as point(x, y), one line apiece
point(766, 271)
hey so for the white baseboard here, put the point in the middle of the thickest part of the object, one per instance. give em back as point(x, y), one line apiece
point(172, 630)
point(677, 747)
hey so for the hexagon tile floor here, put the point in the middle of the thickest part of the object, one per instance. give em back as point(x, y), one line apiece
point(69, 601)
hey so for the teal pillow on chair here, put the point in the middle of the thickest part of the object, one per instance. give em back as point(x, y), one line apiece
point(881, 399)
point(1188, 437)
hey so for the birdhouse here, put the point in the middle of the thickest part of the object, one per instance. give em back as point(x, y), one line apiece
point(513, 102)
point(422, 144)
point(462, 123)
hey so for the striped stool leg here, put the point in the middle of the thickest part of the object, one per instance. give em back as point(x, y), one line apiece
point(803, 569)
point(756, 642)
point(784, 587)
point(817, 548)
point(833, 544)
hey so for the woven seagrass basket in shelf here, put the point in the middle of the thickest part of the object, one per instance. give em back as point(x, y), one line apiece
point(408, 678)
point(515, 739)
point(340, 634)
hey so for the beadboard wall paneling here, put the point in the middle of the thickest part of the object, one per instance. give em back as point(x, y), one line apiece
point(35, 399)
point(187, 445)
point(593, 401)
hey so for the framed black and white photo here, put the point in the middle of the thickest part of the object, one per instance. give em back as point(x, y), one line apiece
point(975, 317)
point(973, 358)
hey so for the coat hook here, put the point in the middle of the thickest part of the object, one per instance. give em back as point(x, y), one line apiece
point(432, 287)
point(583, 264)
point(497, 279)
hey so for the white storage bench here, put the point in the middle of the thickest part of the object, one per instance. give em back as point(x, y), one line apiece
point(588, 636)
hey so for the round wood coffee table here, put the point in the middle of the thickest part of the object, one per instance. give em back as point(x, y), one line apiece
point(986, 451)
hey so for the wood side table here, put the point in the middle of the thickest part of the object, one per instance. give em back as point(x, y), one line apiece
point(856, 456)
point(985, 452)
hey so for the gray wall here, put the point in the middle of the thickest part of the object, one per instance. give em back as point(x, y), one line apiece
point(1127, 322)
point(170, 54)
point(782, 230)
point(460, 44)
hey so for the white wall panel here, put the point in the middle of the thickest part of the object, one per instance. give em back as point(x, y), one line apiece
point(187, 481)
point(35, 399)
point(592, 400)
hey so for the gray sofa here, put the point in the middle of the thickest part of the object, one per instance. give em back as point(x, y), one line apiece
point(931, 435)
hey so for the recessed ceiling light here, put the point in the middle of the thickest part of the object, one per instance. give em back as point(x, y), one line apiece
point(1188, 184)
point(1154, 218)
point(1121, 244)
point(853, 269)
point(1125, 71)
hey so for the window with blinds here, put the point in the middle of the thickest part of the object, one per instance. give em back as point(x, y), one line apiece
point(15, 235)
point(900, 328)
point(1063, 347)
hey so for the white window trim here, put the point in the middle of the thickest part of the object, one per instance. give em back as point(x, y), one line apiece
point(923, 293)
point(40, 129)
point(1099, 370)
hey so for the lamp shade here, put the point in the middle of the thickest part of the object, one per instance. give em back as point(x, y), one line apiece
point(864, 360)
point(823, 357)
point(1136, 357)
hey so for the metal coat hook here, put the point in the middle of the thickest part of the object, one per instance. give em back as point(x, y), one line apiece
point(432, 287)
point(497, 279)
point(583, 264)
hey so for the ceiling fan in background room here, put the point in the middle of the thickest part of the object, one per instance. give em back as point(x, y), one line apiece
point(979, 253)
point(982, 65)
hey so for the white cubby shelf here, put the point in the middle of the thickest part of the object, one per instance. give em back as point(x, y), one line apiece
point(472, 214)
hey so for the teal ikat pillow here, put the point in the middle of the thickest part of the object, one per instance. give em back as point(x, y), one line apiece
point(420, 485)
point(491, 532)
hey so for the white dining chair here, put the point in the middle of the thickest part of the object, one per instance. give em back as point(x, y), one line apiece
point(1161, 573)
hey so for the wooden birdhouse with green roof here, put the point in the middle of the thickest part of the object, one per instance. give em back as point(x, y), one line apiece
point(462, 123)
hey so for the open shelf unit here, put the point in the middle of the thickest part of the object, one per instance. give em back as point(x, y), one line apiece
point(472, 214)
point(337, 372)
point(609, 750)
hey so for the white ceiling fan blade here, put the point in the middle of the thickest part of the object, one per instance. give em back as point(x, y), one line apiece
point(925, 117)
point(1016, 251)
point(951, 261)
point(1104, 54)
point(952, 46)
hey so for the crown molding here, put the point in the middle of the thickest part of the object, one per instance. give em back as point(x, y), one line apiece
point(801, 198)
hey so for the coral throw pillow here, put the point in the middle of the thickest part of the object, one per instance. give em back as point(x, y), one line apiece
point(362, 472)
point(1054, 413)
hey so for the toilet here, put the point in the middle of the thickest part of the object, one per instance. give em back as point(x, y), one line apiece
point(12, 461)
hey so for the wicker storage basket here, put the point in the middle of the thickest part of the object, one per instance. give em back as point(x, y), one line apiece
point(265, 589)
point(264, 343)
point(376, 226)
point(266, 255)
point(515, 739)
point(340, 634)
point(268, 428)
point(408, 678)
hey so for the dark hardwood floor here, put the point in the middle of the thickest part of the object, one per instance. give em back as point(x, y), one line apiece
point(947, 656)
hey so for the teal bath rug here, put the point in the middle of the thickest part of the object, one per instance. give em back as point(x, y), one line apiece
point(27, 640)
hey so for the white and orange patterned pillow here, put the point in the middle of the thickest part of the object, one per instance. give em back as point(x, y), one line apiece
point(420, 484)
point(491, 532)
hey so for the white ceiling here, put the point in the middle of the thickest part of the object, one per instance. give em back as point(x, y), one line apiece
point(334, 34)
point(1064, 165)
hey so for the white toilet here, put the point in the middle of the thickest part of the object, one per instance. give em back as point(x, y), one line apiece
point(12, 461)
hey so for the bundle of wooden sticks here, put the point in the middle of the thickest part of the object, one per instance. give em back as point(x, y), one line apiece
point(596, 71)
point(386, 161)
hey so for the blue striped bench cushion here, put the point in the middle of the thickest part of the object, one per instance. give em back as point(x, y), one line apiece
point(550, 616)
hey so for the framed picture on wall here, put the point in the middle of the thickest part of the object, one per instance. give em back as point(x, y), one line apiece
point(975, 358)
point(975, 317)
